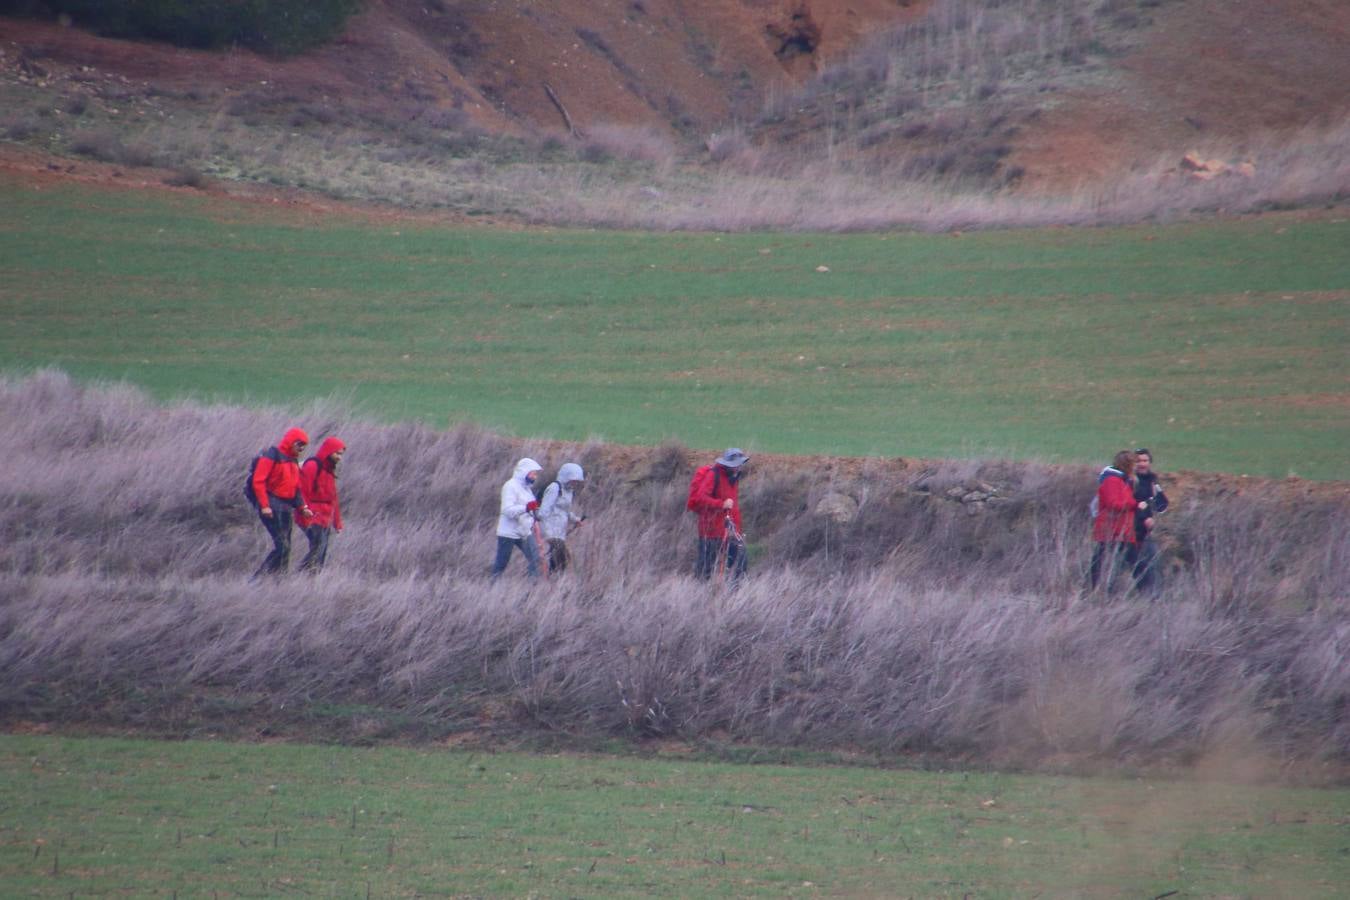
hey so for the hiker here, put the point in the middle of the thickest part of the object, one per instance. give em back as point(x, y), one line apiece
point(713, 495)
point(274, 488)
point(556, 515)
point(1153, 503)
point(318, 485)
point(515, 525)
point(1113, 523)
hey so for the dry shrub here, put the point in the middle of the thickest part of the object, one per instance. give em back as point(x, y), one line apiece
point(108, 146)
point(186, 176)
point(126, 545)
point(631, 143)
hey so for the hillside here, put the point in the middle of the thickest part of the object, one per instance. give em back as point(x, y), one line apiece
point(677, 64)
point(813, 114)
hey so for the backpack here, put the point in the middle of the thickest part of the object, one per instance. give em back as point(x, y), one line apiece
point(271, 453)
point(692, 502)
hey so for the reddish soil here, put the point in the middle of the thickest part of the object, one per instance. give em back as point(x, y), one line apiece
point(1209, 74)
point(659, 63)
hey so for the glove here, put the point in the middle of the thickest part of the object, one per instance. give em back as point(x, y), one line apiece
point(532, 506)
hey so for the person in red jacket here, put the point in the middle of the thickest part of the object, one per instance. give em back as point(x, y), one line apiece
point(318, 485)
point(276, 493)
point(714, 495)
point(1113, 525)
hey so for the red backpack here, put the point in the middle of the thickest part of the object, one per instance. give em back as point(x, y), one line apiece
point(696, 482)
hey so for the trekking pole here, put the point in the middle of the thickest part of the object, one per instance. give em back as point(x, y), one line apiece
point(728, 529)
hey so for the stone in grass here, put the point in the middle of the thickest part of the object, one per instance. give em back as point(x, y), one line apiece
point(839, 508)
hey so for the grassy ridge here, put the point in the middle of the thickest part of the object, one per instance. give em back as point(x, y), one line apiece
point(103, 815)
point(1220, 344)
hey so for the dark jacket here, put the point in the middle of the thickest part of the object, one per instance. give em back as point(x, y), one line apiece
point(1146, 488)
point(318, 484)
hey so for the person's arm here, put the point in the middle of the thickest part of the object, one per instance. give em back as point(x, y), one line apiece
point(309, 484)
point(551, 494)
point(337, 512)
point(515, 504)
point(704, 499)
point(260, 475)
point(1160, 502)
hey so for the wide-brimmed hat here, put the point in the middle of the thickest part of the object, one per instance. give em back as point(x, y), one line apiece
point(733, 458)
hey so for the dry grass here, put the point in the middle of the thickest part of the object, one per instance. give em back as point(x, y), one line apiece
point(915, 627)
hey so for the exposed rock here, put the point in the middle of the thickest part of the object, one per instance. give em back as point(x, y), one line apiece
point(1193, 165)
point(840, 508)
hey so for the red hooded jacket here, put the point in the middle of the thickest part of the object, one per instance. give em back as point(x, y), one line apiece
point(1115, 509)
point(714, 485)
point(280, 479)
point(318, 484)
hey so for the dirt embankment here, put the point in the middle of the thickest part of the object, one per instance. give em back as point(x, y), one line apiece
point(667, 64)
point(1208, 75)
point(1211, 75)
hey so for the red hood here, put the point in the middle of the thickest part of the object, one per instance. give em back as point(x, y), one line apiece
point(287, 445)
point(329, 446)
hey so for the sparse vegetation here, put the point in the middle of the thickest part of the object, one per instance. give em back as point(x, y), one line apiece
point(936, 100)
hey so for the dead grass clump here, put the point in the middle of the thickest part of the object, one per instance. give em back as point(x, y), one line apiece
point(926, 621)
point(185, 176)
point(108, 146)
point(630, 143)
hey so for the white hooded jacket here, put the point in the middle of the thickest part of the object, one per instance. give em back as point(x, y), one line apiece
point(555, 512)
point(515, 521)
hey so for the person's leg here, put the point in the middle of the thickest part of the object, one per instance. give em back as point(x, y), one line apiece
point(318, 548)
point(1145, 567)
point(707, 557)
point(504, 545)
point(323, 546)
point(557, 555)
point(285, 522)
point(1095, 571)
point(279, 555)
point(531, 551)
point(736, 560)
point(269, 563)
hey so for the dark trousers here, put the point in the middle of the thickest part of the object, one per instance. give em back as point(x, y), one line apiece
point(709, 552)
point(318, 548)
point(1108, 557)
point(1147, 573)
point(527, 547)
point(278, 527)
point(557, 555)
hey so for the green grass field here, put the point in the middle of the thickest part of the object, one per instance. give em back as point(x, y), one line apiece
point(124, 817)
point(1224, 346)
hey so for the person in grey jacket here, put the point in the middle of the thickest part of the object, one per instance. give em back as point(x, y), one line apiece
point(557, 515)
point(515, 525)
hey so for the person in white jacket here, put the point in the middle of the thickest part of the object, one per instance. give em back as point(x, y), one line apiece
point(515, 526)
point(557, 515)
